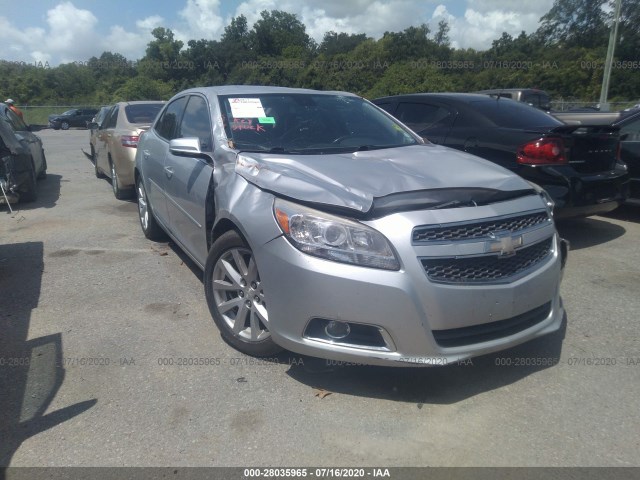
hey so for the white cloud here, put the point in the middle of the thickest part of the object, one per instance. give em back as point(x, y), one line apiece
point(372, 17)
point(75, 34)
point(478, 28)
point(203, 20)
point(131, 45)
point(72, 33)
point(150, 23)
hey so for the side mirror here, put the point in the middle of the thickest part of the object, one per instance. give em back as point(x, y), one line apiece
point(188, 147)
point(92, 125)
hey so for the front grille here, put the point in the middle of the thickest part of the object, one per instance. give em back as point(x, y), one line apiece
point(490, 268)
point(482, 229)
point(458, 337)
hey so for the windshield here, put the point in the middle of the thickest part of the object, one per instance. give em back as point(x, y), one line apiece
point(512, 114)
point(69, 112)
point(308, 123)
point(142, 112)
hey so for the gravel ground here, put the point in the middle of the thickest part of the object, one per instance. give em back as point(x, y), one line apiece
point(92, 315)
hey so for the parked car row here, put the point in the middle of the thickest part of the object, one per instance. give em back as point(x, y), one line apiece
point(578, 165)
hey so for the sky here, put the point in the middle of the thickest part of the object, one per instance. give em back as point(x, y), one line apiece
point(62, 31)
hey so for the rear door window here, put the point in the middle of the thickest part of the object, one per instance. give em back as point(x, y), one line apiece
point(512, 114)
point(631, 131)
point(111, 120)
point(142, 112)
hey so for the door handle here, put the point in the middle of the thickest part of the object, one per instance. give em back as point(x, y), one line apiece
point(168, 172)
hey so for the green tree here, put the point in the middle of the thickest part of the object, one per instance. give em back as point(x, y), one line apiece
point(275, 31)
point(575, 23)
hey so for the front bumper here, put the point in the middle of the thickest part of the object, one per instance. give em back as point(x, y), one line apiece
point(412, 313)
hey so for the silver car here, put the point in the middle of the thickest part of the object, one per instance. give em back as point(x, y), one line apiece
point(326, 227)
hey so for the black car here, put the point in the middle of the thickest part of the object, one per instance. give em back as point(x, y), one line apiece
point(630, 150)
point(76, 117)
point(578, 165)
point(22, 159)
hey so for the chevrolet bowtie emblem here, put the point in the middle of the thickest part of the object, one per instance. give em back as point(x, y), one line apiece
point(503, 243)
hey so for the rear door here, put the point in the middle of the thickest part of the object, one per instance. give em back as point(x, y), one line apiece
point(188, 178)
point(155, 148)
point(105, 132)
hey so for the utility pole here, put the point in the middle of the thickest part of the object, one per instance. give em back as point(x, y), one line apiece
point(604, 92)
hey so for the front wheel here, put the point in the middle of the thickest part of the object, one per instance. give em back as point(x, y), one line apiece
point(64, 125)
point(236, 298)
point(120, 193)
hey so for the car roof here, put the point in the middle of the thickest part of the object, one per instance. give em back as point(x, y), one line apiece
point(257, 89)
point(498, 90)
point(455, 97)
point(140, 102)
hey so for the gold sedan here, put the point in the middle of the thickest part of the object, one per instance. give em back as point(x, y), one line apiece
point(117, 142)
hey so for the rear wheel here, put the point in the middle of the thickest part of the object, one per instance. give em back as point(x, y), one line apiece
point(30, 192)
point(97, 171)
point(148, 222)
point(43, 174)
point(236, 298)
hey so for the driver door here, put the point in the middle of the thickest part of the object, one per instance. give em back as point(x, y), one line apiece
point(188, 178)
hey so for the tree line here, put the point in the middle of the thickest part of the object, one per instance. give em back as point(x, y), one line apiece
point(564, 56)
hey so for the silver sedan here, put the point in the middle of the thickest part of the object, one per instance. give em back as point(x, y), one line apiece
point(326, 227)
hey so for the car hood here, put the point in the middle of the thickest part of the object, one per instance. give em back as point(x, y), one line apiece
point(354, 181)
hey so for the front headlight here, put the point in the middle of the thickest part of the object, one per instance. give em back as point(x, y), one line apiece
point(333, 238)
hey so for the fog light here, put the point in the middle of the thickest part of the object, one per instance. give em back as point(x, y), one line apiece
point(337, 330)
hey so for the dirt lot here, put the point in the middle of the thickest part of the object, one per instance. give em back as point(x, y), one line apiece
point(108, 356)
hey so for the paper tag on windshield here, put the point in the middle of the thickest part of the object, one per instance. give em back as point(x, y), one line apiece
point(246, 108)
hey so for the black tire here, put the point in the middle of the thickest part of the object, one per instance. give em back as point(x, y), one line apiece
point(148, 222)
point(64, 125)
point(97, 171)
point(30, 193)
point(118, 192)
point(243, 326)
point(43, 174)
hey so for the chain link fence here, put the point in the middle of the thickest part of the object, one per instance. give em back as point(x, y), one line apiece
point(565, 105)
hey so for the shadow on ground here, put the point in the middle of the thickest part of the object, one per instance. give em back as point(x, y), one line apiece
point(48, 195)
point(628, 213)
point(588, 232)
point(31, 371)
point(430, 385)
